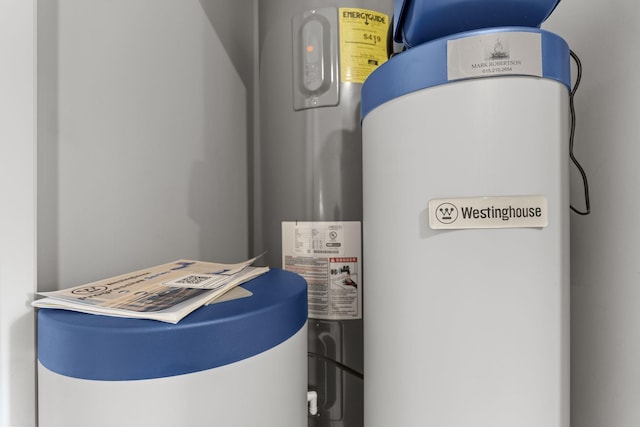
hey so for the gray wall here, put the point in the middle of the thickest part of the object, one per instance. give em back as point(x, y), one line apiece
point(17, 212)
point(145, 135)
point(605, 246)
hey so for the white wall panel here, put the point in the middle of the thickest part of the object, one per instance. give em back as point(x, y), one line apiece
point(605, 245)
point(17, 212)
point(143, 150)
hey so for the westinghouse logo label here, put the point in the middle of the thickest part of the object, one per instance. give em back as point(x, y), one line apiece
point(446, 213)
point(489, 212)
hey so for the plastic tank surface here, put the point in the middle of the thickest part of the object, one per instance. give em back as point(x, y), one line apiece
point(419, 21)
point(466, 233)
point(234, 363)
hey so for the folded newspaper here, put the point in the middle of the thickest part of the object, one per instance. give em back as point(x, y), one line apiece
point(166, 292)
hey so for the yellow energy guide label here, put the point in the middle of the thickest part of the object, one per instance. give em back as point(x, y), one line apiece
point(363, 43)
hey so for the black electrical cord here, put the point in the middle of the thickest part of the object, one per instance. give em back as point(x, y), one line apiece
point(587, 210)
point(337, 364)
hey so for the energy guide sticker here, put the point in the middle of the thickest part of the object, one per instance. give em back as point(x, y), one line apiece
point(489, 212)
point(363, 43)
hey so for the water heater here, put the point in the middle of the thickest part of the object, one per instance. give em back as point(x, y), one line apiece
point(314, 57)
point(466, 232)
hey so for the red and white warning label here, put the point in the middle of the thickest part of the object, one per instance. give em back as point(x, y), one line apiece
point(329, 256)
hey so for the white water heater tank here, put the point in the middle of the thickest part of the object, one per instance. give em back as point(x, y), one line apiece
point(466, 232)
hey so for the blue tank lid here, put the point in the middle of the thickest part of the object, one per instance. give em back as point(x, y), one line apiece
point(419, 21)
point(107, 348)
point(427, 65)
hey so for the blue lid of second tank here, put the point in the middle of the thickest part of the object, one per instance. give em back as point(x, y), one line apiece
point(419, 21)
point(426, 65)
point(104, 348)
